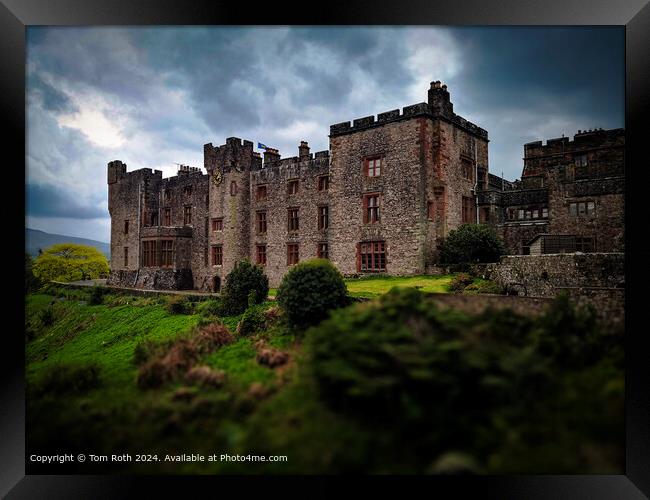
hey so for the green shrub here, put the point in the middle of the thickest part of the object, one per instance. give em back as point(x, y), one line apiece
point(460, 281)
point(177, 304)
point(253, 320)
point(46, 316)
point(209, 308)
point(471, 243)
point(32, 283)
point(309, 291)
point(97, 295)
point(68, 378)
point(484, 287)
point(245, 279)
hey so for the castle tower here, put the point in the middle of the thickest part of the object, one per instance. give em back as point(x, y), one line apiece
point(229, 169)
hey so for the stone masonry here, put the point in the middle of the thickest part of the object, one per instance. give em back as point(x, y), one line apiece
point(389, 189)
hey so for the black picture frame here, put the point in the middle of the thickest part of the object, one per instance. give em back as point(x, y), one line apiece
point(15, 15)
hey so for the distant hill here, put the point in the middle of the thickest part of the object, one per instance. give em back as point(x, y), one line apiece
point(35, 239)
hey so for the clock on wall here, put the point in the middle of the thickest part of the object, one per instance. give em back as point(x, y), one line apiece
point(217, 177)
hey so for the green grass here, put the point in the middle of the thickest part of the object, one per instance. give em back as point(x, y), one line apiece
point(374, 286)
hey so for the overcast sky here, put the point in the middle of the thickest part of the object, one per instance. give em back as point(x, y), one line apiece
point(152, 97)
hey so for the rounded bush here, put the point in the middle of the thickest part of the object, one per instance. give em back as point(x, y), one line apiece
point(253, 320)
point(309, 291)
point(177, 304)
point(460, 282)
point(471, 243)
point(244, 280)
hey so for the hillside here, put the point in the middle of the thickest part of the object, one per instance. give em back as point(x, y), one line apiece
point(35, 239)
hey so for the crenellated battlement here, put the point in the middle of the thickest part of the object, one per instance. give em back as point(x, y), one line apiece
point(582, 140)
point(408, 112)
point(117, 172)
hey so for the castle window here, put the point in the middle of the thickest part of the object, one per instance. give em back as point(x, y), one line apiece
point(292, 223)
point(582, 208)
point(233, 188)
point(467, 169)
point(469, 214)
point(167, 195)
point(261, 255)
point(217, 224)
point(372, 166)
point(371, 208)
point(528, 214)
point(581, 160)
point(187, 215)
point(261, 222)
point(154, 219)
point(187, 190)
point(260, 194)
point(584, 245)
point(217, 255)
point(167, 215)
point(322, 251)
point(292, 186)
point(126, 256)
point(520, 214)
point(535, 214)
point(323, 182)
point(430, 210)
point(126, 227)
point(148, 253)
point(166, 253)
point(323, 217)
point(439, 202)
point(512, 214)
point(293, 254)
point(372, 256)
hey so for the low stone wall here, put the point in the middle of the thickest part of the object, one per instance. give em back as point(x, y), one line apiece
point(543, 275)
point(153, 279)
point(476, 304)
point(597, 279)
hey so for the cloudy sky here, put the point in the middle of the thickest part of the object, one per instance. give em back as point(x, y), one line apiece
point(152, 97)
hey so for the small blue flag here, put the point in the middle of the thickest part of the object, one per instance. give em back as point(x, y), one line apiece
point(261, 146)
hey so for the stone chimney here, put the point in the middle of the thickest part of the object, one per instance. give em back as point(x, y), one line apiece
point(271, 155)
point(439, 99)
point(303, 151)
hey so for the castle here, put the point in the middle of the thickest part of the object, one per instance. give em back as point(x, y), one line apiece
point(380, 200)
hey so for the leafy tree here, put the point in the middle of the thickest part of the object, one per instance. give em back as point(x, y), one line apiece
point(70, 262)
point(471, 243)
point(32, 283)
point(310, 290)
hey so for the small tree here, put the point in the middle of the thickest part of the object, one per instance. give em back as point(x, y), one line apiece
point(70, 262)
point(310, 290)
point(244, 280)
point(471, 243)
point(32, 283)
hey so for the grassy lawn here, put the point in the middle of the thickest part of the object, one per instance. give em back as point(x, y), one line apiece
point(373, 286)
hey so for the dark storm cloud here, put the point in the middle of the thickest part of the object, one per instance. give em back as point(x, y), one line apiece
point(52, 99)
point(51, 201)
point(153, 96)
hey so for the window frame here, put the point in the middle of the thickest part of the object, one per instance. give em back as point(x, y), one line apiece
point(293, 221)
point(261, 222)
point(260, 254)
point(217, 224)
point(258, 189)
point(377, 168)
point(372, 256)
point(166, 253)
point(323, 217)
point(323, 182)
point(216, 255)
point(167, 216)
point(319, 250)
point(187, 215)
point(291, 253)
point(368, 211)
point(293, 186)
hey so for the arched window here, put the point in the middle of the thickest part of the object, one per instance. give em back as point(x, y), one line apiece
point(233, 188)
